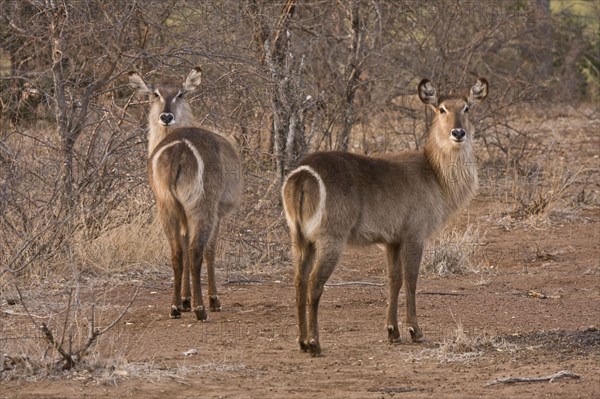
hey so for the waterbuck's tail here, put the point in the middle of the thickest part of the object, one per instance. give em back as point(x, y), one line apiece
point(303, 196)
point(164, 177)
point(177, 207)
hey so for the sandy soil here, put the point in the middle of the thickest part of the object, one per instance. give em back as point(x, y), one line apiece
point(249, 348)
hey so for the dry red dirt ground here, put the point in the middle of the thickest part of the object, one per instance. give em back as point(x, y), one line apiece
point(249, 348)
point(532, 312)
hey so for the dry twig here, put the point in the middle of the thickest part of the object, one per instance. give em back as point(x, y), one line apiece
point(441, 293)
point(550, 378)
point(353, 283)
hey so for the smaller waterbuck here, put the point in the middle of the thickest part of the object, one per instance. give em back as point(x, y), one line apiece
point(196, 179)
point(334, 198)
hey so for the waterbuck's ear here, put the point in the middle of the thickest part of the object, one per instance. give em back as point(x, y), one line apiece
point(193, 79)
point(136, 81)
point(428, 93)
point(479, 91)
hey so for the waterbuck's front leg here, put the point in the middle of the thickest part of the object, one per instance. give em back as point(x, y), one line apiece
point(209, 257)
point(303, 253)
point(410, 255)
point(394, 285)
point(327, 256)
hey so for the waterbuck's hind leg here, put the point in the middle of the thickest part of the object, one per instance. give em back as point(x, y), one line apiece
point(327, 256)
point(177, 261)
point(394, 285)
point(214, 303)
point(303, 254)
point(186, 304)
point(175, 312)
point(186, 294)
point(410, 255)
point(209, 257)
point(198, 303)
point(197, 245)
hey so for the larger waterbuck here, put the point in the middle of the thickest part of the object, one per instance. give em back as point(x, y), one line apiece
point(196, 179)
point(333, 198)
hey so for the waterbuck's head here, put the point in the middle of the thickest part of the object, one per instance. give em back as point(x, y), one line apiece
point(169, 108)
point(451, 128)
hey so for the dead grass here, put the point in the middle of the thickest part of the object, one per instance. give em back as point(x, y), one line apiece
point(110, 371)
point(23, 354)
point(460, 346)
point(538, 190)
point(455, 251)
point(136, 246)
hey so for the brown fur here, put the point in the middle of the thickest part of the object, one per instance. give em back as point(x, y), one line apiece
point(196, 179)
point(400, 200)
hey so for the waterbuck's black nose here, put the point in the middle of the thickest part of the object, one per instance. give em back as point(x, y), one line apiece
point(459, 133)
point(166, 117)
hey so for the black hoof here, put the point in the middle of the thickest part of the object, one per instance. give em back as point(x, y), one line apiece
point(314, 348)
point(175, 312)
point(416, 335)
point(214, 303)
point(393, 334)
point(201, 313)
point(186, 304)
point(304, 346)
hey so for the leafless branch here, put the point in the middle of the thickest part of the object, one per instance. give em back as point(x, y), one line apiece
point(343, 283)
point(549, 378)
point(70, 357)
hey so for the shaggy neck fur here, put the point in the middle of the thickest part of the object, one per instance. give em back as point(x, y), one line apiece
point(455, 169)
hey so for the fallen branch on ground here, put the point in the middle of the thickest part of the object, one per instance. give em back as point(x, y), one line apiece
point(441, 293)
point(242, 282)
point(353, 283)
point(551, 378)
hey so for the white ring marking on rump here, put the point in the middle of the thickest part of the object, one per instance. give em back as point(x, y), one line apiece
point(314, 222)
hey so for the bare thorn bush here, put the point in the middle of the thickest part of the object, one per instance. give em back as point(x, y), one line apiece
point(71, 335)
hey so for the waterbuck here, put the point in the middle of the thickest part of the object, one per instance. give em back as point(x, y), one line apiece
point(196, 179)
point(334, 198)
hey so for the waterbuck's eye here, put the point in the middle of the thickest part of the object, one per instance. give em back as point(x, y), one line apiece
point(466, 109)
point(156, 95)
point(442, 110)
point(177, 96)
